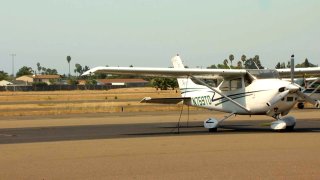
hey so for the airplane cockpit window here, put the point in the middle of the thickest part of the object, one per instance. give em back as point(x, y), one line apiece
point(210, 82)
point(264, 73)
point(225, 86)
point(248, 78)
point(230, 85)
point(235, 84)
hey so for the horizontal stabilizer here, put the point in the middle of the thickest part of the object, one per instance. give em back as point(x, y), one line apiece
point(165, 100)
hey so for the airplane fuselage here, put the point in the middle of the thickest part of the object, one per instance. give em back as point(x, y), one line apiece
point(254, 97)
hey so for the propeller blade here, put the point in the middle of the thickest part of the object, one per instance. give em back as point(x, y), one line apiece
point(307, 98)
point(277, 98)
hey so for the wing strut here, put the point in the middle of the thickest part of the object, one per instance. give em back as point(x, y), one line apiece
point(213, 89)
point(309, 85)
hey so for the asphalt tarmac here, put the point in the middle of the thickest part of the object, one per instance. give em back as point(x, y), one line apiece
point(147, 145)
point(134, 130)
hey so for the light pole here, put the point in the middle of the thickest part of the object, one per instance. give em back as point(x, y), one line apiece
point(12, 55)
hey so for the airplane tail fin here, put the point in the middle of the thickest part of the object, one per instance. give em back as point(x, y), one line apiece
point(186, 85)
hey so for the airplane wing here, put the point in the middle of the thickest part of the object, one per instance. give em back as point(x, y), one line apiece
point(184, 72)
point(313, 71)
point(168, 72)
point(166, 100)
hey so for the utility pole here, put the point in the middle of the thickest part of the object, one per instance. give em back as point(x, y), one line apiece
point(12, 55)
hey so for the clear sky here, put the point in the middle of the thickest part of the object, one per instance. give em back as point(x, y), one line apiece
point(150, 32)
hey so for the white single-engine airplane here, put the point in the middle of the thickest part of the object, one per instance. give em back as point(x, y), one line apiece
point(243, 92)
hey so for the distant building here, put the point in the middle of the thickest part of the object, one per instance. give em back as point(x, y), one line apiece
point(5, 83)
point(49, 79)
point(28, 79)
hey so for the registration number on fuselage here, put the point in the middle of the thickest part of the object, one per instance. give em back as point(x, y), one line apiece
point(201, 100)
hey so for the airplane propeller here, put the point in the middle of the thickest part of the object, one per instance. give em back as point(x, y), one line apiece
point(292, 88)
point(307, 98)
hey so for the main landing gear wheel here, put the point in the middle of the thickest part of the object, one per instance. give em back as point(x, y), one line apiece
point(211, 124)
point(289, 128)
point(213, 129)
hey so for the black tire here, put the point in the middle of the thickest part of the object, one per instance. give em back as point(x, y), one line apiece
point(300, 105)
point(289, 128)
point(213, 129)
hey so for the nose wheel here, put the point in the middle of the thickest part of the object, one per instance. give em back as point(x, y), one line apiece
point(300, 105)
point(286, 123)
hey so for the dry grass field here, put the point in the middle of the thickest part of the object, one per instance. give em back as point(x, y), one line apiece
point(70, 102)
point(84, 101)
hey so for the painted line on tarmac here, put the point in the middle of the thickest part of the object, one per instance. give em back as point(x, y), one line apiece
point(7, 135)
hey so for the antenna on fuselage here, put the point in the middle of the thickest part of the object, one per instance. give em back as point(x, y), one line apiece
point(292, 68)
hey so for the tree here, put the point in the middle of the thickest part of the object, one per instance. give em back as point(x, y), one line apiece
point(91, 81)
point(3, 75)
point(72, 81)
point(231, 58)
point(250, 64)
point(24, 71)
point(69, 59)
point(39, 67)
point(51, 71)
point(257, 62)
point(239, 65)
point(306, 63)
point(86, 68)
point(288, 64)
point(212, 67)
point(278, 66)
point(243, 58)
point(47, 71)
point(225, 62)
point(43, 70)
point(165, 83)
point(78, 68)
point(223, 66)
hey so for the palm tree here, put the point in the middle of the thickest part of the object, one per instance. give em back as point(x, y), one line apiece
point(44, 70)
point(231, 58)
point(225, 63)
point(243, 58)
point(39, 67)
point(69, 59)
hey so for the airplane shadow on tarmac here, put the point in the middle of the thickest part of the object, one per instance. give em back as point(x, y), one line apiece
point(229, 128)
point(112, 131)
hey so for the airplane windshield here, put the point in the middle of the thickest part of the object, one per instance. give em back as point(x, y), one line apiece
point(264, 73)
